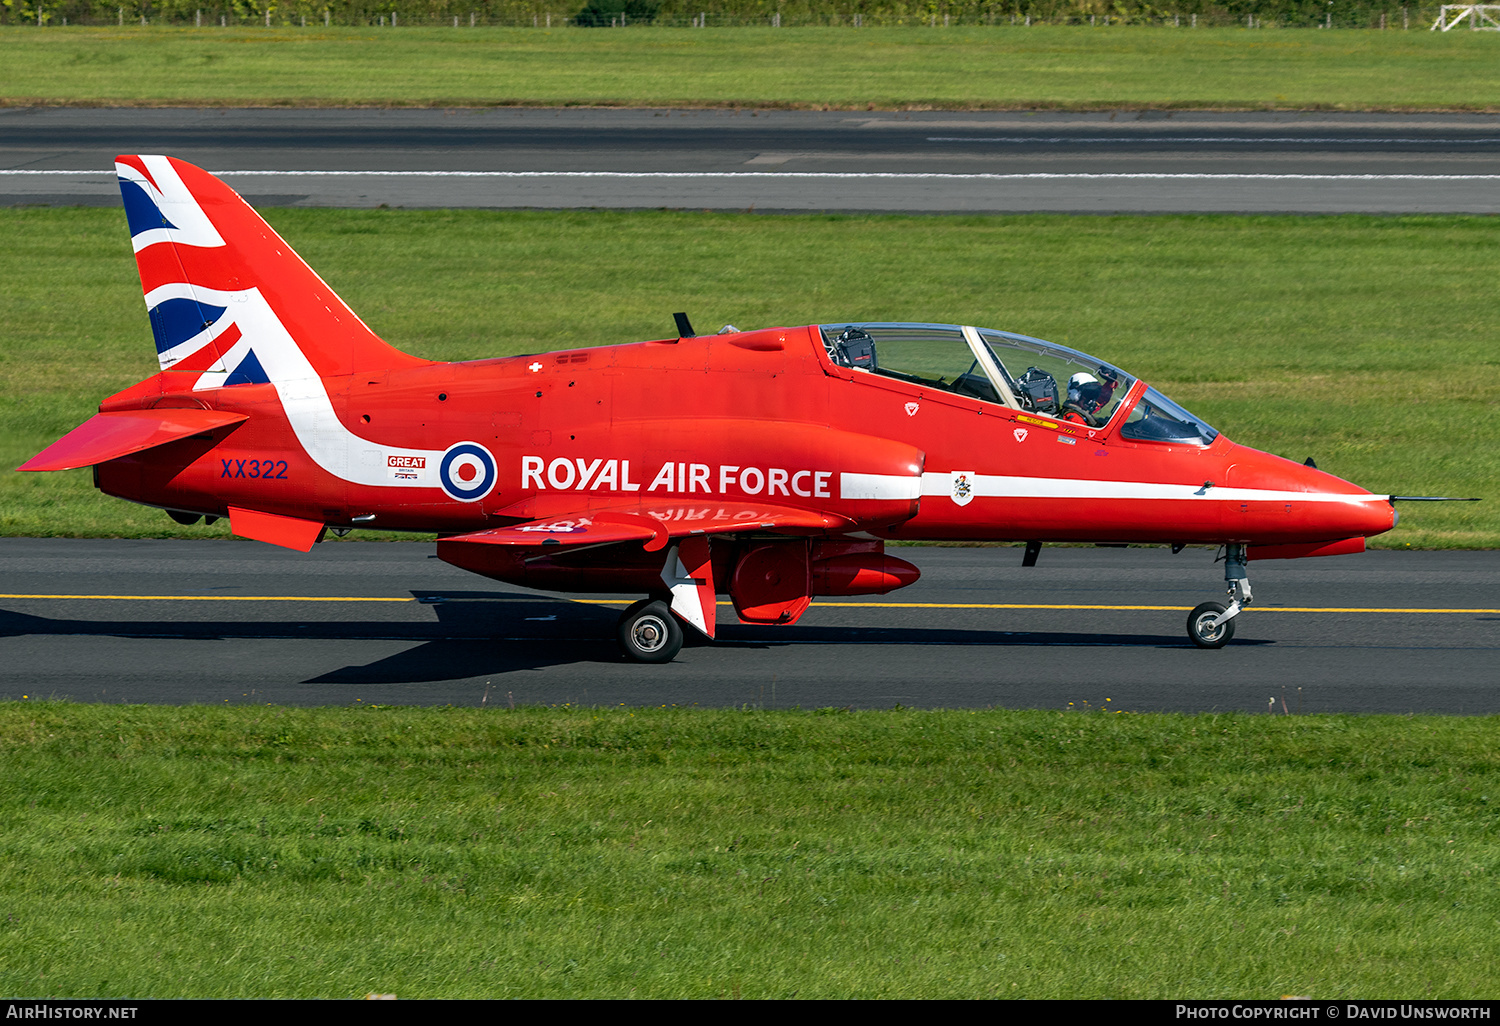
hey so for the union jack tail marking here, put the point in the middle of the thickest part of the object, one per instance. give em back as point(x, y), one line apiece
point(229, 299)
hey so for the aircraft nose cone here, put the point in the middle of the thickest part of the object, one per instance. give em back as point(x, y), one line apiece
point(1284, 501)
point(1369, 517)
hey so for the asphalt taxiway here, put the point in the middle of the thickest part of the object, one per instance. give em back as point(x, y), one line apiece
point(181, 622)
point(778, 160)
point(350, 623)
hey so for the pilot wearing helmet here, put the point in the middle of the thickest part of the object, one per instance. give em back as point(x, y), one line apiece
point(1087, 395)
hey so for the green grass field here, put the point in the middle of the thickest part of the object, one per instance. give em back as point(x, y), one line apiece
point(1000, 67)
point(270, 852)
point(1367, 343)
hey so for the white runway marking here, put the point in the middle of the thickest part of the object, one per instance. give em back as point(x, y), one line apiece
point(772, 190)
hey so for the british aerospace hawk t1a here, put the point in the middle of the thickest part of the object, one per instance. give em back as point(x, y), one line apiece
point(770, 466)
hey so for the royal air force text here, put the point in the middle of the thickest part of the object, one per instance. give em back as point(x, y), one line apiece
point(564, 474)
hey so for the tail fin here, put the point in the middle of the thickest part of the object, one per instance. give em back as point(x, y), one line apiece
point(229, 299)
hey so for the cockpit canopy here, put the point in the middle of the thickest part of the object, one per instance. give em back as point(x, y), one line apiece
point(1015, 371)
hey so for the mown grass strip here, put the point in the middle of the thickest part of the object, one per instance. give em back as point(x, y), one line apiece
point(1360, 341)
point(877, 68)
point(272, 852)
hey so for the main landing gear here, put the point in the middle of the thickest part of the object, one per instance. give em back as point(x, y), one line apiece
point(651, 630)
point(649, 633)
point(1211, 624)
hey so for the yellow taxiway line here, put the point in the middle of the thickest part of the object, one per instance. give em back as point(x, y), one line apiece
point(1176, 609)
point(216, 598)
point(821, 605)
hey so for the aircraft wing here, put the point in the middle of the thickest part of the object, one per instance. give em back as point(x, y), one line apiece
point(108, 436)
point(656, 525)
point(688, 573)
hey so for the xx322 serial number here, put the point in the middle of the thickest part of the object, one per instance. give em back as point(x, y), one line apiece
point(272, 469)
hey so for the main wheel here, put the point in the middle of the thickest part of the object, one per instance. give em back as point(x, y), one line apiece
point(649, 633)
point(1204, 631)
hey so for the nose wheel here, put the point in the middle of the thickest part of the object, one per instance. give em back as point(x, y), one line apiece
point(1211, 624)
point(1206, 628)
point(649, 633)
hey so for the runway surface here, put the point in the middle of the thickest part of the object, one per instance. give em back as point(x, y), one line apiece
point(977, 162)
point(233, 621)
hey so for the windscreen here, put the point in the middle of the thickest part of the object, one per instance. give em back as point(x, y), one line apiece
point(1158, 419)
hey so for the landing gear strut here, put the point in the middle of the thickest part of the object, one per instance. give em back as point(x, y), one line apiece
point(1211, 624)
point(649, 633)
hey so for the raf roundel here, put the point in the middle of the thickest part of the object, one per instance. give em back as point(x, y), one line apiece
point(467, 471)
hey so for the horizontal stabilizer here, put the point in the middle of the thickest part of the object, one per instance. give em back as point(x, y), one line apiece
point(655, 525)
point(108, 436)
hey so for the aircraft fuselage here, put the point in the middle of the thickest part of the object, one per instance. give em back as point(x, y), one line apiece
point(758, 416)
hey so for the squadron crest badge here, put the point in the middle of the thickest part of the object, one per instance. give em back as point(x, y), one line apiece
point(963, 486)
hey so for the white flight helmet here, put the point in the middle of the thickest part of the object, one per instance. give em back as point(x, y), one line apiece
point(1077, 382)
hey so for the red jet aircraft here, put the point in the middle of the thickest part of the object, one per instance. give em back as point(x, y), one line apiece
point(767, 465)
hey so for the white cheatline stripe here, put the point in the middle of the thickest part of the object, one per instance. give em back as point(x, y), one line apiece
point(880, 486)
point(834, 175)
point(995, 486)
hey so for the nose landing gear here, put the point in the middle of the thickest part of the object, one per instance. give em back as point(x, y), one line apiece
point(1211, 624)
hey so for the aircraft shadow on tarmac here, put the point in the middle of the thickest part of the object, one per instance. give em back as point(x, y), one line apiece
point(481, 633)
point(454, 659)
